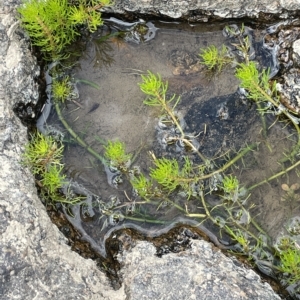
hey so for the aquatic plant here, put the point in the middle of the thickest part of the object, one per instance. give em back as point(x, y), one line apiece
point(116, 154)
point(240, 237)
point(290, 264)
point(240, 41)
point(215, 59)
point(230, 184)
point(42, 152)
point(257, 83)
point(156, 90)
point(168, 174)
point(54, 24)
point(43, 155)
point(61, 89)
point(53, 179)
point(143, 186)
point(175, 183)
point(259, 89)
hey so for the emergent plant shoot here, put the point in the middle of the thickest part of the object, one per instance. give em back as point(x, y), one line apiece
point(54, 24)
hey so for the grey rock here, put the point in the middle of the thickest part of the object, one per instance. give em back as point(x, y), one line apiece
point(202, 10)
point(198, 273)
point(296, 50)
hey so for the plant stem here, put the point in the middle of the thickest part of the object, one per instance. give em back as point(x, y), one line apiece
point(230, 163)
point(270, 99)
point(165, 106)
point(75, 135)
point(263, 121)
point(206, 161)
point(196, 215)
point(241, 226)
point(222, 169)
point(275, 176)
point(145, 220)
point(206, 209)
point(253, 222)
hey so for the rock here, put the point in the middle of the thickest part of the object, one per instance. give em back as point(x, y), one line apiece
point(198, 273)
point(209, 9)
point(296, 52)
point(35, 261)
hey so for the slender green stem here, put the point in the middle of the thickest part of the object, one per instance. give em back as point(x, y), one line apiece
point(145, 220)
point(254, 223)
point(220, 170)
point(75, 135)
point(263, 120)
point(206, 209)
point(196, 215)
point(241, 226)
point(165, 106)
point(175, 205)
point(230, 163)
point(295, 150)
point(275, 176)
point(187, 142)
point(270, 99)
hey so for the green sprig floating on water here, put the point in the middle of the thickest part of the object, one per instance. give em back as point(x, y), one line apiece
point(215, 59)
point(257, 84)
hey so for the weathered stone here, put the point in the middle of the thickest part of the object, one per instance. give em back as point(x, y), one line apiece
point(198, 273)
point(198, 9)
point(296, 50)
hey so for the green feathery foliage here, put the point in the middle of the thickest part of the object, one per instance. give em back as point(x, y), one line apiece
point(42, 152)
point(53, 179)
point(61, 90)
point(166, 173)
point(143, 186)
point(257, 84)
point(43, 156)
point(170, 175)
point(156, 90)
point(153, 86)
point(48, 25)
point(214, 59)
point(116, 154)
point(290, 263)
point(53, 24)
point(230, 184)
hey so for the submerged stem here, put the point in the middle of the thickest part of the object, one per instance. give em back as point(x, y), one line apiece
point(145, 220)
point(230, 163)
point(75, 135)
point(275, 176)
point(165, 106)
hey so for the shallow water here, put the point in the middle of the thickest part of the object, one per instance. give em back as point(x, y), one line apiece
point(116, 111)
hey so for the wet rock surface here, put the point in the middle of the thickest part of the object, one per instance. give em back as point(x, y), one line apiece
point(35, 261)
